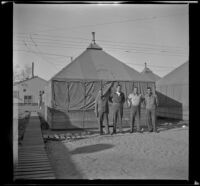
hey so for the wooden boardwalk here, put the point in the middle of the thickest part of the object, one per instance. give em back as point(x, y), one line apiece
point(33, 162)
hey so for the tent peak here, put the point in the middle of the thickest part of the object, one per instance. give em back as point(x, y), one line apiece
point(146, 69)
point(94, 46)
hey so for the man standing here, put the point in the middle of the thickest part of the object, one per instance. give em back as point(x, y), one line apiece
point(102, 110)
point(151, 104)
point(117, 99)
point(134, 101)
point(40, 100)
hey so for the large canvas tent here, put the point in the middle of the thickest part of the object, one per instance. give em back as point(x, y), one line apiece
point(71, 93)
point(173, 93)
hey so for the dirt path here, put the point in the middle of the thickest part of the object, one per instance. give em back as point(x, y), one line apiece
point(161, 155)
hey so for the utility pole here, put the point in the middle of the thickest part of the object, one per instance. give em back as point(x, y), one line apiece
point(32, 69)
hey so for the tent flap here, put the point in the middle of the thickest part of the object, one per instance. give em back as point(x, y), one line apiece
point(71, 96)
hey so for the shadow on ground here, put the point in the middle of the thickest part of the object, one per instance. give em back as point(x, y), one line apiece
point(62, 162)
point(91, 148)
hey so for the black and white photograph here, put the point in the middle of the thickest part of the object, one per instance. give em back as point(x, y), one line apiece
point(100, 91)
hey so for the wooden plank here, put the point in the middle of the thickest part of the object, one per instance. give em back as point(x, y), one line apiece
point(36, 170)
point(33, 166)
point(30, 147)
point(22, 166)
point(32, 153)
point(35, 177)
point(32, 156)
point(33, 172)
point(33, 160)
point(38, 173)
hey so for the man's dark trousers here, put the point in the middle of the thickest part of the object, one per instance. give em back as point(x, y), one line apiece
point(103, 115)
point(151, 119)
point(117, 116)
point(135, 111)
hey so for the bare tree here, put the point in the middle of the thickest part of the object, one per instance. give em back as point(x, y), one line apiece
point(20, 74)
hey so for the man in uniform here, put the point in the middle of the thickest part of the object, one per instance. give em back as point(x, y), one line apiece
point(117, 98)
point(134, 101)
point(102, 110)
point(151, 104)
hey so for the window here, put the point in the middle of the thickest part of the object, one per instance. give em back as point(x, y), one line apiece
point(24, 90)
point(28, 99)
point(16, 94)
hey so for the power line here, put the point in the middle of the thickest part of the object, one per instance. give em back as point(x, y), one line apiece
point(111, 48)
point(38, 49)
point(107, 41)
point(71, 47)
point(129, 50)
point(113, 22)
point(119, 47)
point(39, 54)
point(142, 52)
point(155, 66)
point(55, 40)
point(60, 44)
point(122, 46)
point(43, 53)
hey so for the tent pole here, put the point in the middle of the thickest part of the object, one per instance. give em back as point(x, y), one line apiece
point(101, 89)
point(84, 105)
point(68, 100)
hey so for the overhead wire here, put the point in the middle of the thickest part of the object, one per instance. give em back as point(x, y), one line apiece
point(113, 22)
point(154, 66)
point(63, 43)
point(129, 50)
point(106, 41)
point(39, 53)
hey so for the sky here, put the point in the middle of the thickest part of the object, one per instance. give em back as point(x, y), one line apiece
point(50, 34)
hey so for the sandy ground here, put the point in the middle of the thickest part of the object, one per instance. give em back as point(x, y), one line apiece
point(161, 155)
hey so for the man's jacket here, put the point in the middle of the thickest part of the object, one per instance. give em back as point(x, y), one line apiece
point(101, 103)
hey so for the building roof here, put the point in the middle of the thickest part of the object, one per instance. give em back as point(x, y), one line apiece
point(96, 64)
point(19, 82)
point(178, 76)
point(147, 73)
